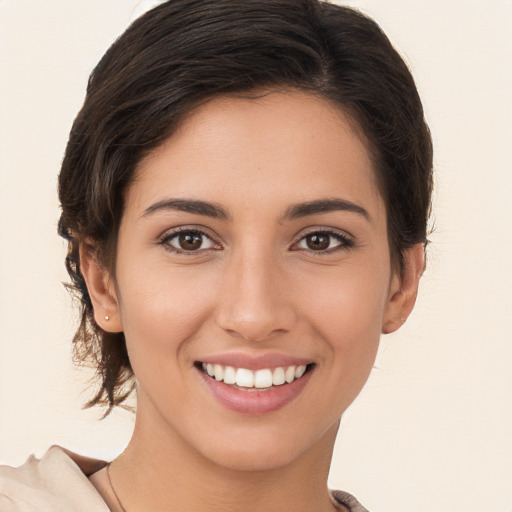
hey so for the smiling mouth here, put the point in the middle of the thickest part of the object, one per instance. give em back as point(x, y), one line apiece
point(264, 379)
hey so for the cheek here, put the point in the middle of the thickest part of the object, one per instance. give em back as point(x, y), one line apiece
point(346, 311)
point(161, 309)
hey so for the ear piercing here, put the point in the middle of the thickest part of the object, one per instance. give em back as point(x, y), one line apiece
point(107, 318)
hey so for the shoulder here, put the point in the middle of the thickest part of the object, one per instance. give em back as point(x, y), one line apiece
point(56, 482)
point(349, 501)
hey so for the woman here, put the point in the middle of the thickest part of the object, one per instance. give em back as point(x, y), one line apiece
point(245, 195)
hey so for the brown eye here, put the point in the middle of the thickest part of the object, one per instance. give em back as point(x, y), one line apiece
point(318, 241)
point(324, 241)
point(189, 241)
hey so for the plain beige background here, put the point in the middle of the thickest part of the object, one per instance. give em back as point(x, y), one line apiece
point(432, 431)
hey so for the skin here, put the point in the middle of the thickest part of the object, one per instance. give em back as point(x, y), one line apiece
point(254, 286)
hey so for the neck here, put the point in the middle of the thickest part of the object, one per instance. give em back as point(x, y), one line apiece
point(158, 468)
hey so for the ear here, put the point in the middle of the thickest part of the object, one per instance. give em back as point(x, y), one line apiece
point(404, 289)
point(101, 289)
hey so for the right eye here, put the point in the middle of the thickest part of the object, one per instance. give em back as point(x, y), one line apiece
point(188, 241)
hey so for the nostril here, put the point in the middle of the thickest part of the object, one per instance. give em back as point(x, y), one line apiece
point(255, 312)
point(254, 333)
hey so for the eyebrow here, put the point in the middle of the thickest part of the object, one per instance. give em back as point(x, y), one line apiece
point(300, 210)
point(190, 206)
point(293, 212)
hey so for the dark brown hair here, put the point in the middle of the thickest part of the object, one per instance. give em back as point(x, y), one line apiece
point(185, 52)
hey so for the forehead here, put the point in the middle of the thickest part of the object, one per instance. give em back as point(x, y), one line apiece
point(267, 148)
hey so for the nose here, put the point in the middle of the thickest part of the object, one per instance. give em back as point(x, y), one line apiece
point(255, 303)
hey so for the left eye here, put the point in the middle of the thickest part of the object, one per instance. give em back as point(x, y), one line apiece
point(323, 241)
point(189, 241)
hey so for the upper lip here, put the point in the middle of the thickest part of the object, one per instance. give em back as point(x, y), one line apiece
point(255, 362)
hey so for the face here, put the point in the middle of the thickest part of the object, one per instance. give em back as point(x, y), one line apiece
point(253, 279)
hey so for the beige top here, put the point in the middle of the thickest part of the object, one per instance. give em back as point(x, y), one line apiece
point(61, 482)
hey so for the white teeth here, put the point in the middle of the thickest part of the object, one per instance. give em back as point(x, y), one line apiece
point(219, 372)
point(263, 379)
point(289, 374)
point(299, 372)
point(229, 375)
point(244, 378)
point(278, 377)
point(260, 379)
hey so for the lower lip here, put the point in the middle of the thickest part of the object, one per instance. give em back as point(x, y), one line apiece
point(255, 402)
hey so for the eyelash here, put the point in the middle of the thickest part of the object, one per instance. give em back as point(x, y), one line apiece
point(345, 242)
point(166, 239)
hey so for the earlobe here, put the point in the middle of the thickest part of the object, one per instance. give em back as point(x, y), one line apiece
point(404, 289)
point(101, 290)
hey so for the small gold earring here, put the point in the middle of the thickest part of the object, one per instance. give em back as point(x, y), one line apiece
point(107, 318)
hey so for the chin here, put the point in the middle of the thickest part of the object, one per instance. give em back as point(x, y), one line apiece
point(253, 460)
point(262, 451)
